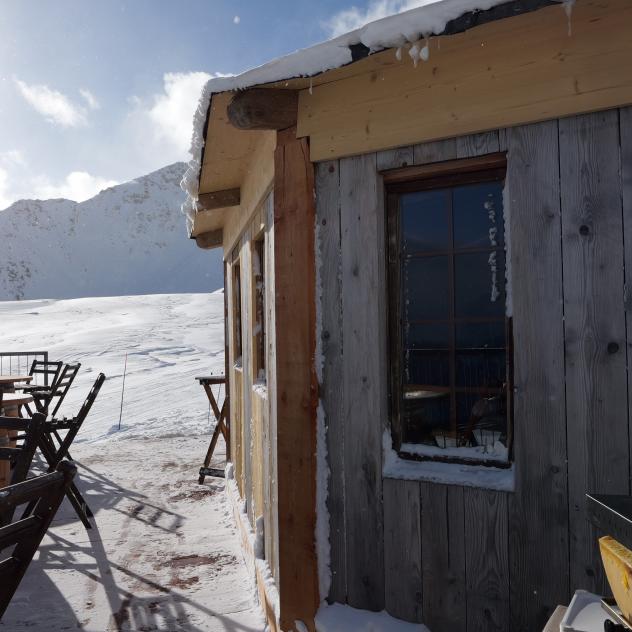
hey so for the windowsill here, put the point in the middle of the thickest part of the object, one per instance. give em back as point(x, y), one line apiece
point(481, 476)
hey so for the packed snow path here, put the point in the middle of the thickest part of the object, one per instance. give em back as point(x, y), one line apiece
point(164, 553)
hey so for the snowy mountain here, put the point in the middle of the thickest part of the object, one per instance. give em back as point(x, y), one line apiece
point(128, 239)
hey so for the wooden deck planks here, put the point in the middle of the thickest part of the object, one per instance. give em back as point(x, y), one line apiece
point(538, 522)
point(596, 383)
point(331, 391)
point(363, 382)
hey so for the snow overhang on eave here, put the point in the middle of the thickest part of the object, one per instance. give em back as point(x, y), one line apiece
point(220, 152)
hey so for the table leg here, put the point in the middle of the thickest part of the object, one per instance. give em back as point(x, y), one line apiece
point(6, 440)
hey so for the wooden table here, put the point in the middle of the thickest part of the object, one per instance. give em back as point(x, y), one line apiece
point(10, 380)
point(207, 382)
point(11, 403)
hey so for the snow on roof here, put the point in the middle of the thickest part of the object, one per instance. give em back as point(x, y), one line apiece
point(394, 31)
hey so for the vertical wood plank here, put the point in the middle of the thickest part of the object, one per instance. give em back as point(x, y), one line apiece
point(538, 522)
point(596, 383)
point(394, 158)
point(331, 391)
point(402, 550)
point(297, 387)
point(625, 134)
point(363, 383)
point(477, 144)
point(443, 557)
point(436, 151)
point(486, 560)
point(273, 526)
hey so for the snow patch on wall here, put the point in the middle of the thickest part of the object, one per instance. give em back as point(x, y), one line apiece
point(323, 547)
point(501, 479)
point(254, 557)
point(339, 618)
point(411, 28)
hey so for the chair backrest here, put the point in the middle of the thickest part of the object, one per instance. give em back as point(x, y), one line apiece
point(55, 455)
point(92, 395)
point(23, 536)
point(61, 385)
point(21, 456)
point(50, 370)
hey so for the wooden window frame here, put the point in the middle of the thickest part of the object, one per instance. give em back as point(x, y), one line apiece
point(449, 174)
point(237, 315)
point(258, 308)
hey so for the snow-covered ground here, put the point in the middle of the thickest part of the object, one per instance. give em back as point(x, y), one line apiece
point(164, 553)
point(169, 340)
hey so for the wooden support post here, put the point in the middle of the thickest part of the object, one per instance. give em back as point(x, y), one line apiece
point(297, 389)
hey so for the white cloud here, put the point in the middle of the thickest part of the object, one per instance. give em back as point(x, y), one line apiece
point(5, 196)
point(77, 186)
point(53, 105)
point(353, 17)
point(162, 124)
point(89, 98)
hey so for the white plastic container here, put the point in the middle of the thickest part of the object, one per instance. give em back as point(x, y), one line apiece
point(584, 614)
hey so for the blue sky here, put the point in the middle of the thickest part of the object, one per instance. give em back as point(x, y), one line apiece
point(98, 92)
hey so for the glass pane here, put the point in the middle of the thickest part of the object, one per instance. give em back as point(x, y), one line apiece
point(478, 215)
point(482, 423)
point(424, 221)
point(480, 335)
point(479, 284)
point(481, 369)
point(427, 336)
point(426, 291)
point(425, 418)
point(425, 370)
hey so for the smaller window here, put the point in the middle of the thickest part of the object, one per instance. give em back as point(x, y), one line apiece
point(237, 312)
point(259, 322)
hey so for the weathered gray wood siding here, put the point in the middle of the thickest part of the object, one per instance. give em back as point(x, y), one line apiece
point(463, 558)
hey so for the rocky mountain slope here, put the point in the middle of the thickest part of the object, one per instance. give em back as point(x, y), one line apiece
point(128, 239)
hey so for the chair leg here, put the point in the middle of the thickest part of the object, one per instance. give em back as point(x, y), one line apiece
point(204, 470)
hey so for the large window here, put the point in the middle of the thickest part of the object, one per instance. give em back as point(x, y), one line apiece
point(450, 334)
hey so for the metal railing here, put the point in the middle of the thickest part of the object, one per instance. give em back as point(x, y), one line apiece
point(19, 362)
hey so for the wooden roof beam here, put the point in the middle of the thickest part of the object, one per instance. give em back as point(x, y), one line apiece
point(218, 199)
point(263, 108)
point(210, 239)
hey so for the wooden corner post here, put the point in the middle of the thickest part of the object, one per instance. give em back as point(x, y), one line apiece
point(297, 389)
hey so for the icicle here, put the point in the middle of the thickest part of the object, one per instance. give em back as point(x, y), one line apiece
point(425, 51)
point(398, 54)
point(415, 53)
point(311, 86)
point(568, 8)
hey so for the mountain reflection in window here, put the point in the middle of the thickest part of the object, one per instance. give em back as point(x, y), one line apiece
point(455, 365)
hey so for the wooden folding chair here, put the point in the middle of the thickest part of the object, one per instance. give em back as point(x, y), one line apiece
point(55, 454)
point(43, 396)
point(23, 537)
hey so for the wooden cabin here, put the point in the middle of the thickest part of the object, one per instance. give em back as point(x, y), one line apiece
point(426, 228)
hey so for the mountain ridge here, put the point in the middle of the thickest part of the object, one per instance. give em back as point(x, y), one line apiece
point(128, 239)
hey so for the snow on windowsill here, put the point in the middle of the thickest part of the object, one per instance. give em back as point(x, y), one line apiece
point(339, 618)
point(496, 478)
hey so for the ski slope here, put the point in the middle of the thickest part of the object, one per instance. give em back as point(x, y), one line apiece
point(169, 340)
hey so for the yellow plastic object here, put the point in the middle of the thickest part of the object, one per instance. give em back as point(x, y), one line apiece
point(617, 561)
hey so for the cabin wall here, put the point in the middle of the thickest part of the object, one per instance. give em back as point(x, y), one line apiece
point(463, 558)
point(252, 416)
